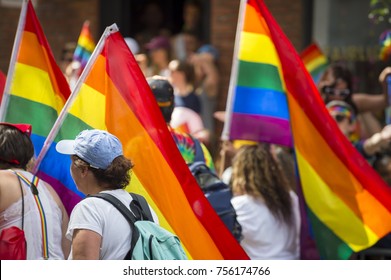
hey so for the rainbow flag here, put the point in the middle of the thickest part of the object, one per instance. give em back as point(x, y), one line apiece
point(85, 46)
point(315, 61)
point(112, 94)
point(385, 45)
point(348, 204)
point(257, 104)
point(36, 89)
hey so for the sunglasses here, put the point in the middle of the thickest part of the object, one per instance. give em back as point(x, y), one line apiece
point(340, 118)
point(331, 90)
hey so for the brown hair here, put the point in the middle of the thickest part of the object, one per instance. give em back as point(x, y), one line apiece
point(117, 175)
point(257, 173)
point(184, 67)
point(16, 148)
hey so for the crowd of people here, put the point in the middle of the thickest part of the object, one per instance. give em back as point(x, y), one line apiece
point(182, 73)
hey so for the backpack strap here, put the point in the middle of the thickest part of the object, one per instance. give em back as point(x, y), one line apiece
point(126, 213)
point(139, 204)
point(198, 154)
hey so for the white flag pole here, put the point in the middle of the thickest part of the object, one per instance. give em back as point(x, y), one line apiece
point(57, 125)
point(11, 67)
point(234, 73)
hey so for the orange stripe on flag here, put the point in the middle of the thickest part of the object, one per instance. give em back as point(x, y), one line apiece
point(254, 23)
point(148, 159)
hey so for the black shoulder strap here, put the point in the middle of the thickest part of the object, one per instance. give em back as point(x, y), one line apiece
point(141, 203)
point(199, 154)
point(126, 213)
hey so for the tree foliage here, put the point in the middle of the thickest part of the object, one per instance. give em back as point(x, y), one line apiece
point(380, 11)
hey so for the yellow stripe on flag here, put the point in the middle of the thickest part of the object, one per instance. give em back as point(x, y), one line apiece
point(90, 107)
point(324, 204)
point(34, 84)
point(258, 48)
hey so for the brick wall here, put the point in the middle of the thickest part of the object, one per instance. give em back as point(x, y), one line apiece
point(61, 21)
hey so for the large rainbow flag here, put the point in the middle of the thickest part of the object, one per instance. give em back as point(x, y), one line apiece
point(36, 89)
point(85, 46)
point(112, 94)
point(348, 204)
point(315, 61)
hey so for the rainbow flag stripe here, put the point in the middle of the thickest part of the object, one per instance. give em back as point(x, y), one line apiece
point(85, 45)
point(2, 84)
point(115, 97)
point(260, 109)
point(349, 205)
point(315, 61)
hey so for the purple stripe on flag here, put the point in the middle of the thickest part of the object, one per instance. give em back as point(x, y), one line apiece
point(261, 129)
point(68, 197)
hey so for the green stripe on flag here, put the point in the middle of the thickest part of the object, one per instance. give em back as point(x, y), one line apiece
point(40, 116)
point(259, 75)
point(329, 245)
point(71, 127)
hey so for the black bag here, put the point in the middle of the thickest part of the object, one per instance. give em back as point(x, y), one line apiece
point(216, 191)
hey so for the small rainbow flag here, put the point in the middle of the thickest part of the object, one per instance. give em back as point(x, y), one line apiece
point(315, 61)
point(347, 202)
point(112, 94)
point(385, 45)
point(85, 46)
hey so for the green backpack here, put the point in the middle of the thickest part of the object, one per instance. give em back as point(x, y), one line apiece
point(149, 240)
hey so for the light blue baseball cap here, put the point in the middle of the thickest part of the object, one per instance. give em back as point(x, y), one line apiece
point(97, 147)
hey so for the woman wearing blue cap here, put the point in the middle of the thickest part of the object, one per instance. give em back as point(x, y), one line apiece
point(96, 228)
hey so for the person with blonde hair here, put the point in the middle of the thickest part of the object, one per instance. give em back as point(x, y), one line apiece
point(266, 207)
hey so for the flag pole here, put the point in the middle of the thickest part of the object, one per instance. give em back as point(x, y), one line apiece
point(234, 73)
point(11, 67)
point(57, 125)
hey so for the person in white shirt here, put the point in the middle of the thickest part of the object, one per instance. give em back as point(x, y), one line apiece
point(266, 208)
point(96, 228)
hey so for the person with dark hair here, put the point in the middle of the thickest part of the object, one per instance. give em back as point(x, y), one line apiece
point(28, 202)
point(266, 207)
point(187, 116)
point(164, 95)
point(336, 83)
point(96, 228)
point(182, 78)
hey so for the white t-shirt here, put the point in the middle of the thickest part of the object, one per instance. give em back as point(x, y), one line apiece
point(186, 120)
point(100, 216)
point(265, 237)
